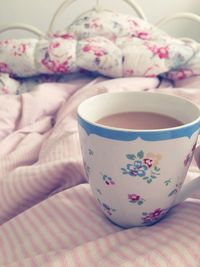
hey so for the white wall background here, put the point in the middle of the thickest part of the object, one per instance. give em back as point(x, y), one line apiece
point(39, 13)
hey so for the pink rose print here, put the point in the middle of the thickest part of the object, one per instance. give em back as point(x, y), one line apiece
point(54, 45)
point(108, 180)
point(4, 42)
point(65, 36)
point(143, 35)
point(93, 24)
point(181, 74)
point(134, 29)
point(49, 64)
point(54, 65)
point(153, 216)
point(19, 50)
point(133, 23)
point(161, 52)
point(98, 52)
point(151, 72)
point(3, 89)
point(157, 213)
point(134, 198)
point(4, 67)
point(113, 37)
point(129, 73)
point(148, 162)
point(62, 68)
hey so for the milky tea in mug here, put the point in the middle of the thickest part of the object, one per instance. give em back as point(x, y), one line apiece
point(139, 120)
point(136, 170)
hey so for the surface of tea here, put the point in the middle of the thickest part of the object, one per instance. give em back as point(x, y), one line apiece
point(139, 121)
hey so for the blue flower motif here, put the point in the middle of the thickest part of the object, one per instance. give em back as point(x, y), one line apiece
point(137, 169)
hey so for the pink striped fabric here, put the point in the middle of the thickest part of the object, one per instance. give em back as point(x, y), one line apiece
point(47, 212)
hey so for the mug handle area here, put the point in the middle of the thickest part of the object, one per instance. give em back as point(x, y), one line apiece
point(190, 189)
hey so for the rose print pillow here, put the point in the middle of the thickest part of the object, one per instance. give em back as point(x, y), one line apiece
point(109, 43)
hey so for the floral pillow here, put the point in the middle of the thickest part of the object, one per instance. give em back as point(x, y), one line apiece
point(109, 43)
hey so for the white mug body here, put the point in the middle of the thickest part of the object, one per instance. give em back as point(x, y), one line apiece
point(136, 175)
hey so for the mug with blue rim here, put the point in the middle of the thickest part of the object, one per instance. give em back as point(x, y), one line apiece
point(136, 176)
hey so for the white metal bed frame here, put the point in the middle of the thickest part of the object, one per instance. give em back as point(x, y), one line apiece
point(132, 3)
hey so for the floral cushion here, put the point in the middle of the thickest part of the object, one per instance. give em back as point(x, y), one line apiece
point(109, 43)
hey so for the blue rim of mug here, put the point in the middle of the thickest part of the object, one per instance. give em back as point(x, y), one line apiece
point(187, 130)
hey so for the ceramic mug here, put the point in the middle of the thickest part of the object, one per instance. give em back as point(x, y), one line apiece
point(137, 175)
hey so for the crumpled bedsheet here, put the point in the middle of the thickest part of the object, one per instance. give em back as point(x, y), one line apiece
point(48, 214)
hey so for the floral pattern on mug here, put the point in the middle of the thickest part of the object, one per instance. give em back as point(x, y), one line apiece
point(167, 182)
point(175, 190)
point(144, 166)
point(87, 169)
point(99, 191)
point(90, 152)
point(106, 208)
point(107, 180)
point(134, 198)
point(189, 156)
point(152, 217)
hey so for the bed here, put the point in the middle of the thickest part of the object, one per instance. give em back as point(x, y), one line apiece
point(48, 215)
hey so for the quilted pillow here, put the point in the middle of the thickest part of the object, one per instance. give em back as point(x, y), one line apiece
point(109, 43)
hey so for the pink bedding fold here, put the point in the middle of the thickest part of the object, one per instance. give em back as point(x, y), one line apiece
point(48, 215)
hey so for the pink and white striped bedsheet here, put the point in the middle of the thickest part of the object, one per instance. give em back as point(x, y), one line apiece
point(47, 212)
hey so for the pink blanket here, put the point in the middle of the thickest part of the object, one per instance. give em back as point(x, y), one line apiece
point(48, 215)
